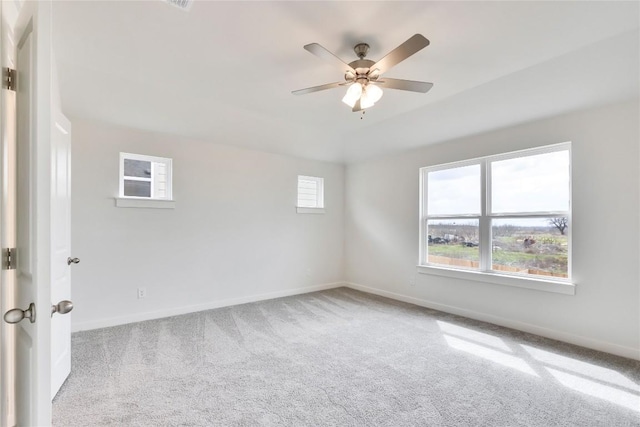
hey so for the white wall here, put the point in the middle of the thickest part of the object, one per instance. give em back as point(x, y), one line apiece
point(382, 232)
point(234, 235)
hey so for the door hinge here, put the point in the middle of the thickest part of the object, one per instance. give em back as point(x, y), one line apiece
point(9, 81)
point(9, 259)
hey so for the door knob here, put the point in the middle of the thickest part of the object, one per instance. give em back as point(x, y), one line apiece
point(72, 260)
point(16, 315)
point(63, 307)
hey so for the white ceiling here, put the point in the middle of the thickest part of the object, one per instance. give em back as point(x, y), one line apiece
point(224, 71)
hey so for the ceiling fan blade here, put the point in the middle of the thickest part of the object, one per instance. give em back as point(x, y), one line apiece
point(323, 53)
point(356, 107)
point(410, 85)
point(317, 88)
point(414, 44)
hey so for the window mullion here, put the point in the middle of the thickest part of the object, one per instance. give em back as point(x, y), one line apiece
point(550, 214)
point(154, 180)
point(422, 226)
point(485, 220)
point(136, 178)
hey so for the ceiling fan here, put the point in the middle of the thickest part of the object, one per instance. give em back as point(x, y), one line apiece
point(363, 75)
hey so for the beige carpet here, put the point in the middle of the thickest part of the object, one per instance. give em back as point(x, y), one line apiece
point(339, 358)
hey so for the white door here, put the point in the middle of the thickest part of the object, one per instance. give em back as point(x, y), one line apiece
point(61, 260)
point(8, 13)
point(32, 40)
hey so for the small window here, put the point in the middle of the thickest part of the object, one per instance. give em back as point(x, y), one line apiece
point(145, 177)
point(310, 193)
point(507, 214)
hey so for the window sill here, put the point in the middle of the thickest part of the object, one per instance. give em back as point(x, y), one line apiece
point(145, 203)
point(310, 210)
point(557, 286)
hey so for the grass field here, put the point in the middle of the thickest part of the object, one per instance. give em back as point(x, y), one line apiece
point(549, 253)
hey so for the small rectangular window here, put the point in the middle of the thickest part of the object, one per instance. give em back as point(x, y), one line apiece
point(507, 214)
point(145, 177)
point(310, 192)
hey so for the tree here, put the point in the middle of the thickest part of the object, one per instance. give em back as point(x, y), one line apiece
point(560, 223)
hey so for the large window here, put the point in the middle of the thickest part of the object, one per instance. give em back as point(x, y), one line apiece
point(508, 214)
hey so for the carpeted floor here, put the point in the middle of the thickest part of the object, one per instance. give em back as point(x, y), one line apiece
point(339, 358)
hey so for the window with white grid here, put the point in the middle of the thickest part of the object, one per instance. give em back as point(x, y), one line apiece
point(310, 192)
point(145, 177)
point(507, 214)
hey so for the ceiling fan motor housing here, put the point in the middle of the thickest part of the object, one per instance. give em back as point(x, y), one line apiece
point(362, 67)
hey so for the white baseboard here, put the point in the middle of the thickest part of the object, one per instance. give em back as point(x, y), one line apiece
point(175, 311)
point(619, 350)
point(582, 341)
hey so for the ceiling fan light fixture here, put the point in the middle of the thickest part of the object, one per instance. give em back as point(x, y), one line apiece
point(365, 102)
point(370, 95)
point(374, 92)
point(353, 94)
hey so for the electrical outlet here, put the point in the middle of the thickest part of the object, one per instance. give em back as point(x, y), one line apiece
point(142, 293)
point(412, 280)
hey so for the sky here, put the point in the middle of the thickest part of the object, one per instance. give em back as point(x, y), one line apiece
point(531, 184)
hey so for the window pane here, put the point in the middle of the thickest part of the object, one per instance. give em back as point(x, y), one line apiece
point(161, 168)
point(537, 246)
point(307, 194)
point(137, 168)
point(454, 191)
point(453, 243)
point(137, 188)
point(310, 192)
point(537, 183)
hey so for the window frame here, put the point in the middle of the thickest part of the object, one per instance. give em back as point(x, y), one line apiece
point(319, 197)
point(485, 273)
